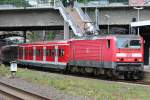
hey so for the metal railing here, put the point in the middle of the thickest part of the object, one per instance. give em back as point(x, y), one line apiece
point(86, 19)
point(84, 16)
point(26, 3)
point(76, 29)
point(46, 3)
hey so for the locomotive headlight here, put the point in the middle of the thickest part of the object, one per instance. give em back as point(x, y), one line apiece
point(140, 60)
point(118, 59)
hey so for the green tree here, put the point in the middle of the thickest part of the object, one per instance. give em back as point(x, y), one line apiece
point(18, 3)
point(84, 1)
point(51, 36)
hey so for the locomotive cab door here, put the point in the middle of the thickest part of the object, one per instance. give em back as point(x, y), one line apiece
point(101, 54)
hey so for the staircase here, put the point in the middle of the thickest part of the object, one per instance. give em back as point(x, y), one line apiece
point(79, 21)
point(74, 14)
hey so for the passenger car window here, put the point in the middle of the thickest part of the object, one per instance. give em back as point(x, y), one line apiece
point(38, 52)
point(48, 52)
point(61, 52)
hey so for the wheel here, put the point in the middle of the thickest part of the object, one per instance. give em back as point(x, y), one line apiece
point(140, 75)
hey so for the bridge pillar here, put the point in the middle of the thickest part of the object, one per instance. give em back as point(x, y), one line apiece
point(97, 17)
point(66, 31)
point(24, 35)
point(43, 35)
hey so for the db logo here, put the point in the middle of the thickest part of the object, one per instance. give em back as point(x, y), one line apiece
point(129, 55)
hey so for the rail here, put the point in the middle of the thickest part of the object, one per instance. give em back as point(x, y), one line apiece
point(18, 94)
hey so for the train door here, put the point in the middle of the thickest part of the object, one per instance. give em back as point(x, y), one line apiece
point(39, 53)
point(50, 53)
point(101, 53)
point(30, 53)
point(26, 53)
point(20, 53)
point(73, 53)
point(62, 53)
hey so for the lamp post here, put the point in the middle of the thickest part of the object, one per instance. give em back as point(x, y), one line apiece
point(84, 6)
point(138, 17)
point(108, 22)
point(54, 4)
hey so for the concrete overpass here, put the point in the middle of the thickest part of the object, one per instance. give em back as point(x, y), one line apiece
point(49, 18)
point(30, 19)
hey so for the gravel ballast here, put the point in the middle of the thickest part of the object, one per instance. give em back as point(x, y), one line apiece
point(48, 92)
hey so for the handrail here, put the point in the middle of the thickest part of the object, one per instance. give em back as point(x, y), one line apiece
point(68, 18)
point(84, 16)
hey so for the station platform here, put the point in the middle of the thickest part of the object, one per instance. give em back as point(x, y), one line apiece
point(147, 68)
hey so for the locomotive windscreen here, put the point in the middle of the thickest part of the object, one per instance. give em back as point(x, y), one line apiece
point(128, 43)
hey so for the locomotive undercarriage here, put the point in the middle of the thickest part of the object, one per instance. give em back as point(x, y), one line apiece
point(121, 71)
point(130, 70)
point(136, 72)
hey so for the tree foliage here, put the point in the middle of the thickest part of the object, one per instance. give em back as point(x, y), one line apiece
point(84, 1)
point(17, 3)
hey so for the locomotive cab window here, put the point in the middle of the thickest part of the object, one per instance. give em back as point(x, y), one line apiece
point(135, 43)
point(128, 43)
point(108, 43)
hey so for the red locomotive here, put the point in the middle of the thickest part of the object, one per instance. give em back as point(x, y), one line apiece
point(113, 55)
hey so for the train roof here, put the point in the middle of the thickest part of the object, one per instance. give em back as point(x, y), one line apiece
point(46, 43)
point(103, 36)
point(81, 38)
point(128, 36)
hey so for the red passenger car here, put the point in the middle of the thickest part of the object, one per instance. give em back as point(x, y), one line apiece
point(114, 55)
point(44, 54)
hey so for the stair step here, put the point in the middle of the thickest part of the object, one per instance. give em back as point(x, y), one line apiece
point(74, 14)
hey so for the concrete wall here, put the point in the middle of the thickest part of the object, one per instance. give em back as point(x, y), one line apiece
point(119, 15)
point(15, 18)
point(52, 17)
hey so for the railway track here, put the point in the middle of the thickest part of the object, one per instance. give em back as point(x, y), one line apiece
point(136, 82)
point(140, 82)
point(8, 92)
point(144, 81)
